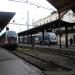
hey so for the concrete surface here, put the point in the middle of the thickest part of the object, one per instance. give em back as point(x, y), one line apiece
point(12, 65)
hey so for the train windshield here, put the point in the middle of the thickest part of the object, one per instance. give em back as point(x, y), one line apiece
point(53, 36)
point(12, 34)
point(36, 38)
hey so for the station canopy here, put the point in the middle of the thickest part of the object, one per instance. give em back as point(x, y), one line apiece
point(47, 26)
point(62, 5)
point(5, 18)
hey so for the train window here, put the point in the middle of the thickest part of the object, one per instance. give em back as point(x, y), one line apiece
point(36, 38)
point(11, 33)
point(53, 38)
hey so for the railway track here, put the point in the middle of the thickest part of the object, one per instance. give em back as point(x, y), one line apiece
point(60, 52)
point(39, 62)
point(57, 52)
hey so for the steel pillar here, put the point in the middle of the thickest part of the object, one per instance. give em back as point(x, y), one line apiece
point(66, 36)
point(43, 37)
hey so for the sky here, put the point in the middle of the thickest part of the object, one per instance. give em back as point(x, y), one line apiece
point(21, 8)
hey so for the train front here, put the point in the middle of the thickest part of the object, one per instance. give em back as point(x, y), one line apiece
point(12, 40)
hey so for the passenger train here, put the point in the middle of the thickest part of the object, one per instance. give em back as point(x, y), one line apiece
point(49, 39)
point(9, 40)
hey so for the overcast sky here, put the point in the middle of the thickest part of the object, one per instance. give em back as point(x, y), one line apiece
point(21, 9)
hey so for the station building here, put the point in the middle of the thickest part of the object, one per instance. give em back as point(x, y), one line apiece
point(69, 16)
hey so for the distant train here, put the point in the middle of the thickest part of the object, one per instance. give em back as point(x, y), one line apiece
point(9, 40)
point(49, 39)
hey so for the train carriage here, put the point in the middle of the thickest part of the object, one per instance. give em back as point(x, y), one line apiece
point(9, 40)
point(37, 39)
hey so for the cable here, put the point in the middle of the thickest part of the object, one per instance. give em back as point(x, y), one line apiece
point(20, 24)
point(38, 6)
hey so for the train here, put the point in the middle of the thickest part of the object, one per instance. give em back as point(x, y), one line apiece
point(9, 40)
point(50, 38)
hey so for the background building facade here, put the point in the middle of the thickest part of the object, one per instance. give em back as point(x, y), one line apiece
point(68, 17)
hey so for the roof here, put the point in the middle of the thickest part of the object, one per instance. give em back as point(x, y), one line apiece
point(68, 31)
point(62, 5)
point(54, 24)
point(5, 18)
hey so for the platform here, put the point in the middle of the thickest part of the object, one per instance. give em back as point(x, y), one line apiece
point(12, 65)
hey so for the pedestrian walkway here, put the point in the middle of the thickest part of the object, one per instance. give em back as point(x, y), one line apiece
point(12, 65)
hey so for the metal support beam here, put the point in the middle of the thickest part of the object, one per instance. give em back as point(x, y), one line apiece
point(31, 39)
point(43, 36)
point(23, 39)
point(59, 29)
point(66, 36)
point(60, 41)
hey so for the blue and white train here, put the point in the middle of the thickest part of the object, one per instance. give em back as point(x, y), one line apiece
point(49, 39)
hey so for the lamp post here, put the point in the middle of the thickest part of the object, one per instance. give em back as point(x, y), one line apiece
point(7, 29)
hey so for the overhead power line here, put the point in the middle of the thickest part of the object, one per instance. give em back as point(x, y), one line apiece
point(20, 24)
point(34, 4)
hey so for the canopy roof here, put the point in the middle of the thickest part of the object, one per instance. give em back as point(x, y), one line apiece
point(62, 5)
point(5, 18)
point(52, 25)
